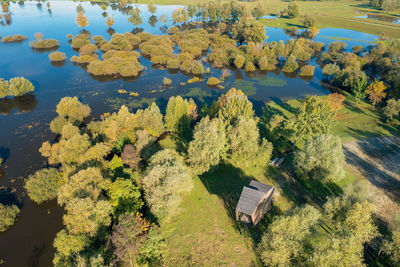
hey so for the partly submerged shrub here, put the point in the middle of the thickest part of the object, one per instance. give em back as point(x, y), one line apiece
point(20, 86)
point(87, 49)
point(44, 44)
point(57, 56)
point(115, 66)
point(14, 38)
point(84, 59)
point(307, 70)
point(167, 81)
point(99, 40)
point(80, 40)
point(213, 81)
point(118, 42)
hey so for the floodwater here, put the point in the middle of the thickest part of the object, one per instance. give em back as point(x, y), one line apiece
point(24, 121)
point(380, 17)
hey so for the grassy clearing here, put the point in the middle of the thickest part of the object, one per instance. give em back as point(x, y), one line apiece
point(353, 121)
point(334, 14)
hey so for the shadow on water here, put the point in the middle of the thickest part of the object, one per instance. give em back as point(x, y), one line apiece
point(8, 197)
point(25, 103)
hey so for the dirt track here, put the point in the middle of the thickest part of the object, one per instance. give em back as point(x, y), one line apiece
point(378, 161)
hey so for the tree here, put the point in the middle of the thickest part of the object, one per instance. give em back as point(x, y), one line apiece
point(128, 237)
point(233, 105)
point(376, 92)
point(359, 88)
point(68, 244)
point(208, 145)
point(239, 61)
point(314, 117)
point(151, 7)
point(259, 10)
point(167, 181)
point(135, 18)
point(178, 114)
point(4, 88)
point(283, 241)
point(82, 20)
point(85, 216)
point(151, 120)
point(291, 64)
point(109, 22)
point(88, 183)
point(131, 156)
point(20, 86)
point(8, 215)
point(308, 21)
point(44, 184)
point(335, 100)
point(72, 109)
point(245, 148)
point(392, 108)
point(321, 158)
point(124, 197)
point(292, 10)
point(247, 30)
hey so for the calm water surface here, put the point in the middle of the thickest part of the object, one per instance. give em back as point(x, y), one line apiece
point(24, 121)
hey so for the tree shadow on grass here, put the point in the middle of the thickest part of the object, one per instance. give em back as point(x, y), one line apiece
point(284, 105)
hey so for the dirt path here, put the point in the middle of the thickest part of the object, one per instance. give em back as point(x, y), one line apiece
point(377, 159)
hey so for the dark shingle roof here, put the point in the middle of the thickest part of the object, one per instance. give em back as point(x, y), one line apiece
point(249, 200)
point(260, 186)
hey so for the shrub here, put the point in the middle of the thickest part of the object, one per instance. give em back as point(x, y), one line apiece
point(167, 180)
point(4, 88)
point(8, 214)
point(249, 67)
point(308, 21)
point(167, 82)
point(44, 44)
point(14, 38)
point(213, 81)
point(99, 40)
point(195, 80)
point(57, 56)
point(118, 42)
point(239, 61)
point(20, 86)
point(392, 108)
point(291, 64)
point(80, 40)
point(43, 185)
point(263, 63)
point(85, 59)
point(307, 70)
point(173, 63)
point(87, 49)
point(115, 66)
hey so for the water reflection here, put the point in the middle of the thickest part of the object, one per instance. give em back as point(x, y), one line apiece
point(25, 103)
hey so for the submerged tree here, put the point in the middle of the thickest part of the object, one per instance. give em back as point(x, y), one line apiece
point(109, 22)
point(248, 30)
point(82, 20)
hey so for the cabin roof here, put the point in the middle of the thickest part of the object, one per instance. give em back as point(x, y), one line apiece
point(251, 196)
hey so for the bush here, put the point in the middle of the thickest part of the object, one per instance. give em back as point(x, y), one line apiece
point(213, 81)
point(8, 214)
point(115, 66)
point(263, 63)
point(87, 49)
point(291, 64)
point(57, 56)
point(118, 42)
point(43, 185)
point(20, 86)
point(249, 67)
point(99, 40)
point(44, 44)
point(173, 63)
point(307, 71)
point(85, 59)
point(167, 82)
point(80, 40)
point(239, 61)
point(14, 38)
point(4, 88)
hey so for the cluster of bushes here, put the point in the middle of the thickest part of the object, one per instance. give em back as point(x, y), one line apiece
point(87, 54)
point(15, 87)
point(14, 38)
point(8, 215)
point(122, 63)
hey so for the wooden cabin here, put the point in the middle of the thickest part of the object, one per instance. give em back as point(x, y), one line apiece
point(254, 202)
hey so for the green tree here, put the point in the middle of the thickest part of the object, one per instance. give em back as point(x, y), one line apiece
point(4, 88)
point(166, 182)
point(85, 216)
point(44, 184)
point(283, 241)
point(235, 106)
point(178, 114)
point(124, 197)
point(314, 117)
point(209, 145)
point(309, 21)
point(151, 120)
point(292, 10)
point(359, 88)
point(8, 215)
point(239, 61)
point(392, 108)
point(260, 10)
point(72, 109)
point(291, 64)
point(321, 158)
point(68, 244)
point(245, 148)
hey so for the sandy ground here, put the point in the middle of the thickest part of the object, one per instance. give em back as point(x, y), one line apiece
point(378, 161)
